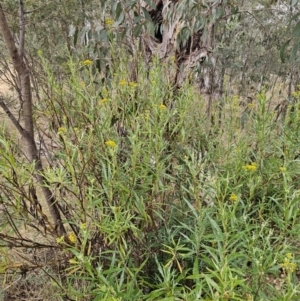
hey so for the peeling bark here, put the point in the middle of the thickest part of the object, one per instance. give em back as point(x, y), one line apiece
point(165, 44)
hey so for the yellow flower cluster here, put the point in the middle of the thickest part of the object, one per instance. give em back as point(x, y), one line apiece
point(251, 167)
point(103, 101)
point(132, 84)
point(233, 197)
point(145, 115)
point(288, 265)
point(111, 143)
point(83, 226)
point(162, 107)
point(60, 239)
point(123, 83)
point(282, 169)
point(87, 63)
point(72, 237)
point(296, 94)
point(62, 130)
point(109, 22)
point(73, 261)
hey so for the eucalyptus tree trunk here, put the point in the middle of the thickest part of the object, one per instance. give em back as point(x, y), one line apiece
point(27, 130)
point(168, 20)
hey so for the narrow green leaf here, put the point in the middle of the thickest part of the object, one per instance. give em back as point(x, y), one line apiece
point(211, 283)
point(75, 36)
point(146, 14)
point(296, 30)
point(295, 50)
point(192, 208)
point(118, 10)
point(137, 19)
point(215, 226)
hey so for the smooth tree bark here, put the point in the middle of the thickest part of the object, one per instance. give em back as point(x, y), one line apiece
point(27, 131)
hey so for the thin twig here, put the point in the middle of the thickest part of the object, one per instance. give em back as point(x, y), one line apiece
point(11, 117)
point(6, 288)
point(248, 12)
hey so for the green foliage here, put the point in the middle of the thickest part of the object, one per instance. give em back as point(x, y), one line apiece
point(159, 202)
point(156, 208)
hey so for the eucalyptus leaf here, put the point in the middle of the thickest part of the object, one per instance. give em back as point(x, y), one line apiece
point(296, 30)
point(295, 50)
point(146, 14)
point(118, 10)
point(138, 19)
point(137, 30)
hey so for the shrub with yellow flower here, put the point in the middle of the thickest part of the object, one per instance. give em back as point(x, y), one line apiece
point(111, 143)
point(282, 169)
point(250, 167)
point(109, 22)
point(288, 265)
point(72, 237)
point(73, 261)
point(162, 107)
point(233, 197)
point(87, 63)
point(123, 83)
point(61, 131)
point(83, 226)
point(103, 101)
point(132, 84)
